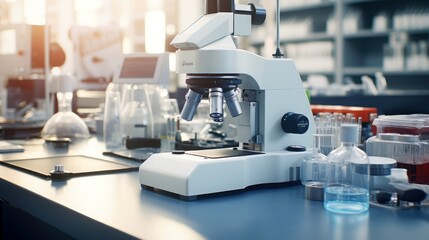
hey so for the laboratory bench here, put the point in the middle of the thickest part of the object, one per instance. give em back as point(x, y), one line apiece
point(114, 206)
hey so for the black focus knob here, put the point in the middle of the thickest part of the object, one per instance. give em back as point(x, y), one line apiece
point(258, 14)
point(295, 123)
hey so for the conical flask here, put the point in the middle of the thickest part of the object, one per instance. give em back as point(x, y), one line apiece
point(136, 118)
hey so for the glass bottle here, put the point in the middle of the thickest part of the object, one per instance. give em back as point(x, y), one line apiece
point(313, 167)
point(313, 171)
point(347, 179)
point(111, 120)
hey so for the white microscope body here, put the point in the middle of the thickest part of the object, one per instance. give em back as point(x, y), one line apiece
point(273, 113)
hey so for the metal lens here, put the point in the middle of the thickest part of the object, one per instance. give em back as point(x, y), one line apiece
point(231, 98)
point(191, 104)
point(216, 103)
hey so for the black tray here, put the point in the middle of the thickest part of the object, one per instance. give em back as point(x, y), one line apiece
point(73, 166)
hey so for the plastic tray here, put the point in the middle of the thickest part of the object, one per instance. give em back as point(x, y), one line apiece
point(73, 166)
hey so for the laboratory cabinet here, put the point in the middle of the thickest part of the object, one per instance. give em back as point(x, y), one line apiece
point(14, 220)
point(346, 39)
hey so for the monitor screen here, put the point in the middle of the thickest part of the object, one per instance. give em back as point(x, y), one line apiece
point(138, 67)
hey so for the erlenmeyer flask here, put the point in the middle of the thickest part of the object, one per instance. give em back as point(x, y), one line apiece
point(136, 118)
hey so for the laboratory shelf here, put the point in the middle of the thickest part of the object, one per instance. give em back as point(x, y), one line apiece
point(314, 37)
point(364, 50)
point(307, 7)
point(360, 1)
point(367, 33)
point(407, 73)
point(306, 73)
point(361, 70)
point(413, 31)
point(310, 38)
point(356, 2)
point(372, 70)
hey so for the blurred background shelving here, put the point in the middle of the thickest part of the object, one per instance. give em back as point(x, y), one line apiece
point(333, 42)
point(342, 40)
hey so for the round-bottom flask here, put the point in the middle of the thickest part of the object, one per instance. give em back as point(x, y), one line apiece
point(65, 123)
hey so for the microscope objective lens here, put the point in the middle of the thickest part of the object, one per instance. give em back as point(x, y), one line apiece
point(191, 104)
point(216, 104)
point(231, 98)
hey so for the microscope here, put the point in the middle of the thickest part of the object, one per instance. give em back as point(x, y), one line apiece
point(274, 120)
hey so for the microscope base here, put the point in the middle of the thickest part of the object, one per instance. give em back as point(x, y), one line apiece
point(191, 174)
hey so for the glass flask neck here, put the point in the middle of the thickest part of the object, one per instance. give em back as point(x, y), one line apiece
point(65, 101)
point(348, 144)
point(316, 143)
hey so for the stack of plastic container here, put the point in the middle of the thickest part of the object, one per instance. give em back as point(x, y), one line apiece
point(404, 138)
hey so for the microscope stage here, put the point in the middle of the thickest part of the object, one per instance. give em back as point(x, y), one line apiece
point(221, 153)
